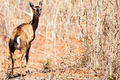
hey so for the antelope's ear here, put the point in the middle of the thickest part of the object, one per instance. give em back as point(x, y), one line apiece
point(40, 3)
point(31, 5)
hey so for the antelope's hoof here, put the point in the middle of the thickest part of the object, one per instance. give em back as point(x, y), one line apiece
point(28, 71)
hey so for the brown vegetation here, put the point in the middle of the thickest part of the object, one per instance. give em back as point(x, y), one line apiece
point(72, 35)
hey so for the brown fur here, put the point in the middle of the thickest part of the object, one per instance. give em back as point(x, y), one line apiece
point(26, 32)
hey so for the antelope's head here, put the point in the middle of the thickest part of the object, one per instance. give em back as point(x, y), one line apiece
point(36, 9)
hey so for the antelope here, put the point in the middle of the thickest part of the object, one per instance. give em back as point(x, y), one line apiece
point(23, 35)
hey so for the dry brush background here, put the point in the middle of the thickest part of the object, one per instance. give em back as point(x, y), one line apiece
point(80, 33)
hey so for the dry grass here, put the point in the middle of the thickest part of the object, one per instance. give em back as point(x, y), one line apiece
point(95, 22)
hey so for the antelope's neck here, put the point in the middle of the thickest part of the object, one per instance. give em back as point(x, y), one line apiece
point(35, 21)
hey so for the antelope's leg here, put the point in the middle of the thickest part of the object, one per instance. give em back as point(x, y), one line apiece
point(27, 58)
point(11, 51)
point(21, 60)
point(11, 55)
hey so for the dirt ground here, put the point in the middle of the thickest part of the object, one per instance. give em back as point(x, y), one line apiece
point(49, 62)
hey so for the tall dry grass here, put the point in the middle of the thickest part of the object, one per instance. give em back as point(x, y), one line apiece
point(95, 22)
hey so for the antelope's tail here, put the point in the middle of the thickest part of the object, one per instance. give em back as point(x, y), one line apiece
point(17, 41)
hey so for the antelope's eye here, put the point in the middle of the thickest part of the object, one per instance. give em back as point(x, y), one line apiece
point(40, 9)
point(33, 9)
